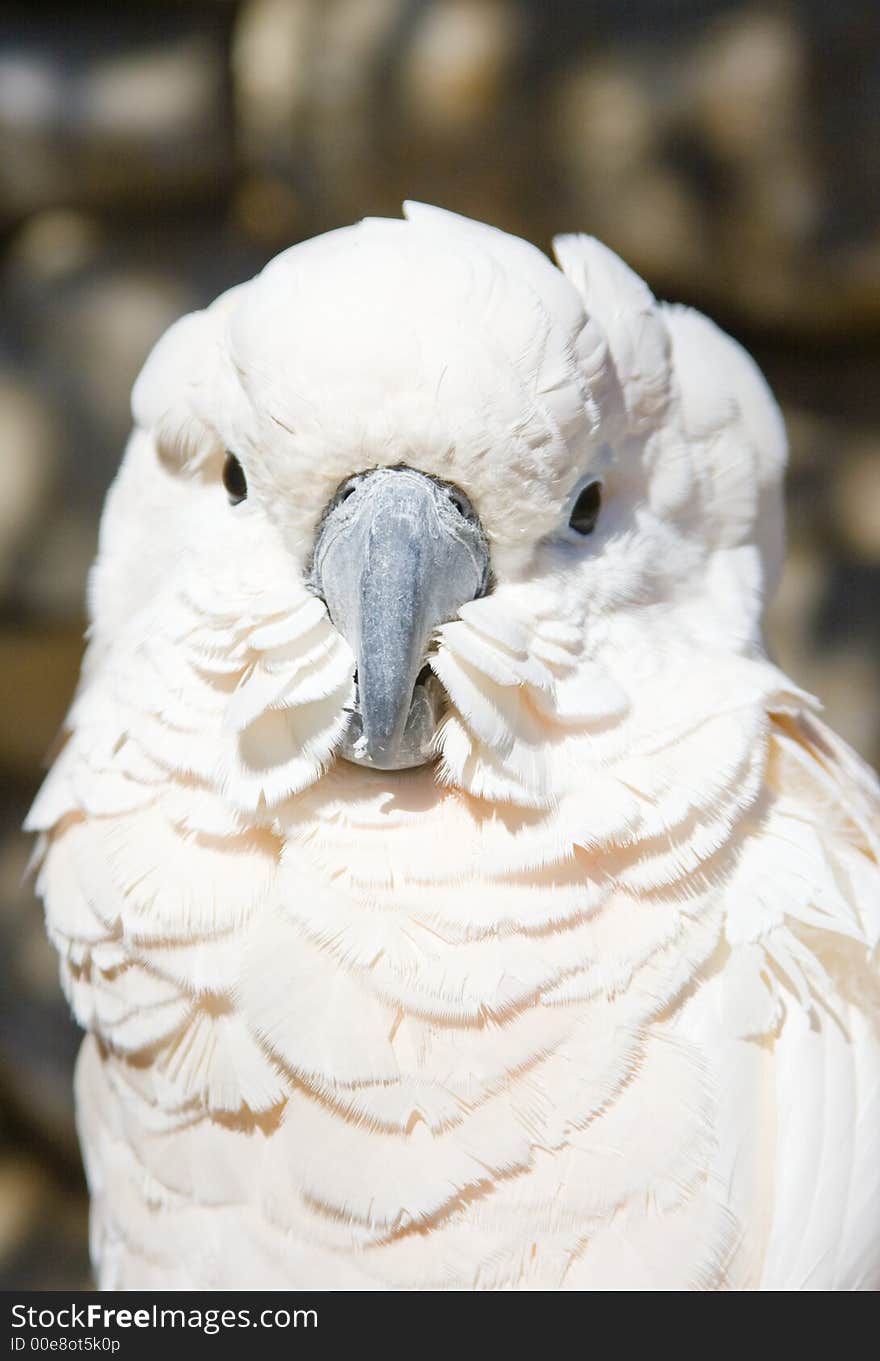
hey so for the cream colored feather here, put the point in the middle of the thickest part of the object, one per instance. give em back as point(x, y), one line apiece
point(591, 1002)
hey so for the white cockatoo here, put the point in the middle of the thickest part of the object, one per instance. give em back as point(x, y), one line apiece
point(454, 894)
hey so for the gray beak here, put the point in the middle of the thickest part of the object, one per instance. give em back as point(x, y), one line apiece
point(396, 554)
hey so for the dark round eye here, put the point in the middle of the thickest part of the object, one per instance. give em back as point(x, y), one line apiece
point(234, 479)
point(586, 509)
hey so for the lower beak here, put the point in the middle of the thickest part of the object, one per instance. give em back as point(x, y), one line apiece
point(394, 559)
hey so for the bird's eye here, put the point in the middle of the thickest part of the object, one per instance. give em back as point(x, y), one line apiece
point(234, 479)
point(586, 509)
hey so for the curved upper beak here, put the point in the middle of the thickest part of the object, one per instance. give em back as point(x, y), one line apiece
point(396, 555)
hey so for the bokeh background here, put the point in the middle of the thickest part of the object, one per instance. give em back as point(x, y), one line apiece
point(153, 153)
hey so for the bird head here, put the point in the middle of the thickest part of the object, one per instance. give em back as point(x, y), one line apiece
point(418, 496)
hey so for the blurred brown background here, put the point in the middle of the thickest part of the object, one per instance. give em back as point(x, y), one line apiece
point(153, 153)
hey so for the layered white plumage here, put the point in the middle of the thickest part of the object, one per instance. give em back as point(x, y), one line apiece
point(590, 1003)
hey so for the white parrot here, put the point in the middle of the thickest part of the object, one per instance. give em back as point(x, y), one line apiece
point(454, 894)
